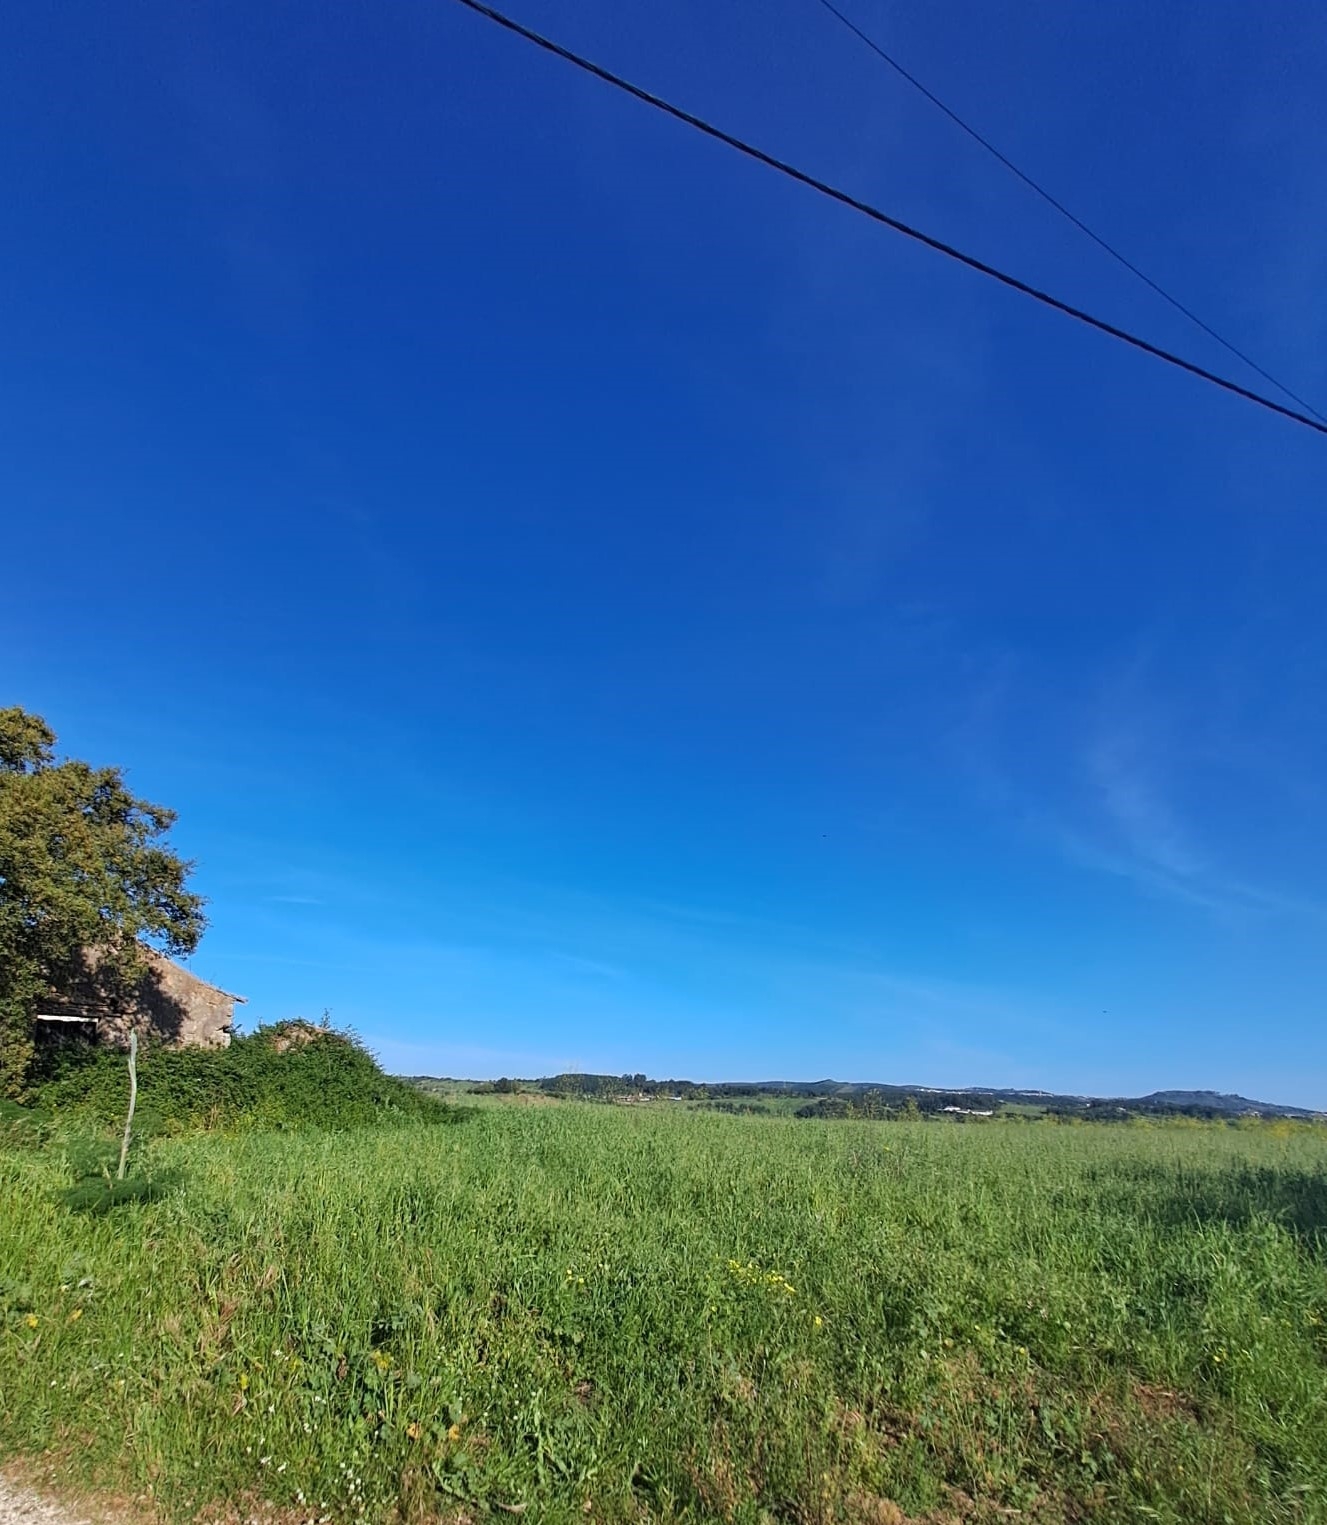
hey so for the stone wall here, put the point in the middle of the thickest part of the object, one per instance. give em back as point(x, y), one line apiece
point(165, 1003)
point(175, 1007)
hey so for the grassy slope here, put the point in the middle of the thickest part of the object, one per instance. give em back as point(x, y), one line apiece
point(552, 1305)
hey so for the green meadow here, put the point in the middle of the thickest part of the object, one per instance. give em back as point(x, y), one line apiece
point(580, 1312)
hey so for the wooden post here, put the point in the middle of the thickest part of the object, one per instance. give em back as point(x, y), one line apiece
point(133, 1098)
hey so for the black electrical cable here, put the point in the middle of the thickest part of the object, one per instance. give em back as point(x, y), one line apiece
point(876, 215)
point(1063, 210)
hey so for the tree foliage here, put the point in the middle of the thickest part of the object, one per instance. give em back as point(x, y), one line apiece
point(84, 864)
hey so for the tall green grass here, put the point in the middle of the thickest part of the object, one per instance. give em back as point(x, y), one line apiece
point(643, 1314)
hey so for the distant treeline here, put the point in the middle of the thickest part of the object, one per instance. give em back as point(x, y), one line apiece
point(840, 1099)
point(886, 1101)
point(823, 1098)
point(610, 1087)
point(620, 1087)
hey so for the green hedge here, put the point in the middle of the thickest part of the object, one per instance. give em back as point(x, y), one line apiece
point(285, 1076)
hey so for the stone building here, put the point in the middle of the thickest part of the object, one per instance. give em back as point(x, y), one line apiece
point(166, 1003)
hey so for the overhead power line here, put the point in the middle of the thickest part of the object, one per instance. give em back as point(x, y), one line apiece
point(1063, 210)
point(876, 215)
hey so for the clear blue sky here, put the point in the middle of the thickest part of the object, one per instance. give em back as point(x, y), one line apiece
point(596, 605)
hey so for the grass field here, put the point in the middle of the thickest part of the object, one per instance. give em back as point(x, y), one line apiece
point(593, 1313)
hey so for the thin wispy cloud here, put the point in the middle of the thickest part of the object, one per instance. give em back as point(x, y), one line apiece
point(1086, 853)
point(1150, 841)
point(594, 967)
point(1119, 784)
point(1141, 817)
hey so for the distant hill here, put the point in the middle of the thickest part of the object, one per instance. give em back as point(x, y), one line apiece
point(835, 1098)
point(1219, 1102)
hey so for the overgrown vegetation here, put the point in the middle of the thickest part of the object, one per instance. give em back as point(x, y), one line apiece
point(652, 1313)
point(289, 1075)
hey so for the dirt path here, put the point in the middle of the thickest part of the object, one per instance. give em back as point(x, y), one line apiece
point(20, 1506)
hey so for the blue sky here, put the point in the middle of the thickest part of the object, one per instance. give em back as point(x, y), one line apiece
point(596, 605)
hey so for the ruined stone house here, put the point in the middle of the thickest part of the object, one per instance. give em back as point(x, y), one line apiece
point(165, 1003)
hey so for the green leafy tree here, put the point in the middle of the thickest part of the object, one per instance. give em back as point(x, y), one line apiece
point(83, 865)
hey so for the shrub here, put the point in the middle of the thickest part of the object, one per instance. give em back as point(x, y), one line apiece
point(289, 1075)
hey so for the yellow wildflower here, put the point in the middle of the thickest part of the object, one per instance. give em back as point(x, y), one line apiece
point(32, 1321)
